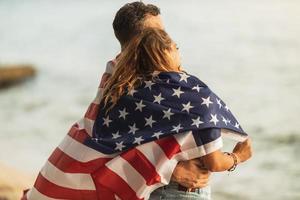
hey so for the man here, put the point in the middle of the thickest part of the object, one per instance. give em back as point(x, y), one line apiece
point(129, 21)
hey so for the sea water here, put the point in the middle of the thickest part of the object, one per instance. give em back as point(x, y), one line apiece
point(246, 51)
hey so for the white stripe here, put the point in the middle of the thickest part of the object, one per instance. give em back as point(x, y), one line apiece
point(153, 152)
point(80, 152)
point(159, 160)
point(68, 180)
point(186, 140)
point(200, 150)
point(88, 125)
point(80, 124)
point(164, 167)
point(128, 173)
point(117, 198)
point(233, 135)
point(213, 145)
point(34, 194)
point(98, 96)
point(109, 67)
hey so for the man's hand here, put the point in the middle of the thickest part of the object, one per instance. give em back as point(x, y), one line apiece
point(243, 150)
point(191, 174)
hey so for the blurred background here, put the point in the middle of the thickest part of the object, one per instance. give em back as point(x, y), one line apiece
point(246, 51)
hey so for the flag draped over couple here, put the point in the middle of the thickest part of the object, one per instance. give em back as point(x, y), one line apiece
point(133, 149)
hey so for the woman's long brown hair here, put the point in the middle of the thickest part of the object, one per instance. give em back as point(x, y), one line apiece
point(144, 54)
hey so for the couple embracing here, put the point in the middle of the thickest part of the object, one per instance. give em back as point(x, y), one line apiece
point(153, 131)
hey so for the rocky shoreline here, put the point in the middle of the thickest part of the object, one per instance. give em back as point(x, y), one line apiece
point(12, 74)
point(13, 182)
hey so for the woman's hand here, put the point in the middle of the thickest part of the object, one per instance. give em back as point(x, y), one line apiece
point(191, 174)
point(243, 150)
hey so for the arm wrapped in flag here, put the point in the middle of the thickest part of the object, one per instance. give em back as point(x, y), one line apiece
point(170, 118)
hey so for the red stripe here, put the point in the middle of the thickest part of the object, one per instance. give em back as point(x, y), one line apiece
point(141, 164)
point(54, 191)
point(169, 145)
point(69, 165)
point(104, 194)
point(92, 111)
point(78, 134)
point(104, 79)
point(114, 183)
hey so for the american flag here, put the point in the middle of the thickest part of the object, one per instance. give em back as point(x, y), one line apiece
point(134, 148)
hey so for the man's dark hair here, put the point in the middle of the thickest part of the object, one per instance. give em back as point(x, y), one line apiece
point(129, 19)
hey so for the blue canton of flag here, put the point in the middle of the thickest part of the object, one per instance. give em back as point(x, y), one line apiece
point(167, 104)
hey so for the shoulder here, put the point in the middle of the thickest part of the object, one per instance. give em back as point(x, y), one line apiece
point(183, 79)
point(110, 66)
point(108, 72)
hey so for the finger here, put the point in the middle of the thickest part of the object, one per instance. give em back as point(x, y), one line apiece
point(203, 178)
point(203, 181)
point(203, 171)
point(201, 184)
point(200, 175)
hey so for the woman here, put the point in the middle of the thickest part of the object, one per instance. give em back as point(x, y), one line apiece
point(150, 98)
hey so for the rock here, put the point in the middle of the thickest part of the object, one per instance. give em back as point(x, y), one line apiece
point(13, 182)
point(11, 74)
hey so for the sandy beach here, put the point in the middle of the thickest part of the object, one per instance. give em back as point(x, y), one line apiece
point(13, 182)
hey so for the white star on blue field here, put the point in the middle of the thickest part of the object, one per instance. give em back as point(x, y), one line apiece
point(168, 103)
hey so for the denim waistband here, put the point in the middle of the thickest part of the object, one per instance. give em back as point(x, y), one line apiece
point(171, 192)
point(174, 186)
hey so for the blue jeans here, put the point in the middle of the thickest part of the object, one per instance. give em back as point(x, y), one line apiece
point(171, 192)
